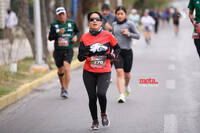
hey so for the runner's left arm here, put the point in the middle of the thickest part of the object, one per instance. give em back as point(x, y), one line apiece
point(134, 33)
point(76, 30)
point(191, 7)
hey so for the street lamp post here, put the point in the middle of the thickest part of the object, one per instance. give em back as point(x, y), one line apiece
point(119, 2)
point(38, 35)
point(39, 65)
point(107, 2)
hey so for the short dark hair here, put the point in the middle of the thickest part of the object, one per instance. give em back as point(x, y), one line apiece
point(96, 12)
point(120, 8)
point(105, 7)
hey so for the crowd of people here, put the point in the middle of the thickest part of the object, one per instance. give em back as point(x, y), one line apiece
point(108, 42)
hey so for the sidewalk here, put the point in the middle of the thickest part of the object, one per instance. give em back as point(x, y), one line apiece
point(20, 49)
point(26, 89)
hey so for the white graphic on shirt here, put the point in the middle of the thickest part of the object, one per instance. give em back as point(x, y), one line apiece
point(97, 47)
point(69, 25)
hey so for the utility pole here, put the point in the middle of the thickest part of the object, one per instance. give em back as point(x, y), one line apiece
point(119, 2)
point(107, 2)
point(38, 35)
point(39, 65)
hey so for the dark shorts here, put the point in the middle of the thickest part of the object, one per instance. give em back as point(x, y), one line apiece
point(63, 55)
point(176, 23)
point(125, 60)
point(197, 44)
point(147, 29)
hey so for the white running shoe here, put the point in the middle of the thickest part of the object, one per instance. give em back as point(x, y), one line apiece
point(121, 98)
point(105, 120)
point(95, 125)
point(127, 90)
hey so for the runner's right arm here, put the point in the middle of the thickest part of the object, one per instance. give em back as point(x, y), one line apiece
point(83, 52)
point(52, 33)
point(191, 7)
point(192, 17)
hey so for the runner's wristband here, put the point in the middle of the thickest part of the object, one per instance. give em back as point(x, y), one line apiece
point(192, 20)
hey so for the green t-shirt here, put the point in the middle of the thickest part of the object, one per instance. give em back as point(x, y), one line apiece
point(64, 41)
point(195, 5)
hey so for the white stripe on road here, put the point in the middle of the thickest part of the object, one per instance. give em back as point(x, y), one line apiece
point(172, 58)
point(196, 74)
point(173, 50)
point(170, 124)
point(170, 84)
point(172, 67)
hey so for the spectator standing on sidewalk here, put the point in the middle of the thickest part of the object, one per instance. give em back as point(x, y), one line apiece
point(11, 21)
point(195, 5)
point(64, 33)
point(95, 50)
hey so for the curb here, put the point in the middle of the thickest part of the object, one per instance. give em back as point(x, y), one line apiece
point(26, 89)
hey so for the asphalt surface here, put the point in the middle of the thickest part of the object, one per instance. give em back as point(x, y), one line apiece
point(171, 106)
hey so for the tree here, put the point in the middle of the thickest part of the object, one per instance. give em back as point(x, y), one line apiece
point(141, 4)
point(44, 32)
point(67, 5)
point(50, 10)
point(28, 27)
point(84, 7)
point(25, 24)
point(60, 2)
point(114, 4)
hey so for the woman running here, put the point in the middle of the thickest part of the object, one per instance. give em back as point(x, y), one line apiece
point(176, 20)
point(95, 50)
point(147, 22)
point(124, 30)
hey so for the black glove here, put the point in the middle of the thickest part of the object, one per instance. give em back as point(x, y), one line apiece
point(110, 56)
point(87, 49)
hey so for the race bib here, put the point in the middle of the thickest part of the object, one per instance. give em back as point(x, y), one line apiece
point(63, 41)
point(98, 62)
point(198, 28)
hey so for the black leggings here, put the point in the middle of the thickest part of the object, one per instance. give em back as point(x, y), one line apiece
point(156, 26)
point(96, 85)
point(197, 44)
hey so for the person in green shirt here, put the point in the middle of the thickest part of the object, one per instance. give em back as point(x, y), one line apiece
point(195, 5)
point(64, 33)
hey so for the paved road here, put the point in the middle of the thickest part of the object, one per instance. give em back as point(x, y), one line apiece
point(172, 106)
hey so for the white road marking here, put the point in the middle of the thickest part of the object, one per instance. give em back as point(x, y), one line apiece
point(173, 50)
point(172, 58)
point(170, 84)
point(196, 74)
point(170, 124)
point(172, 67)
